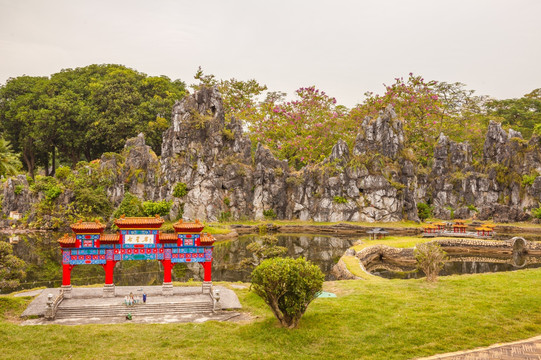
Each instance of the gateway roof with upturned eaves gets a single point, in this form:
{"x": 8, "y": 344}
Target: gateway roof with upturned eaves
{"x": 206, "y": 238}
{"x": 67, "y": 240}
{"x": 139, "y": 221}
{"x": 94, "y": 226}
{"x": 181, "y": 226}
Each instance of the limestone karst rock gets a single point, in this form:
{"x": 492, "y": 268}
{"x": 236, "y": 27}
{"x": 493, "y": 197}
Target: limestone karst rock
{"x": 376, "y": 180}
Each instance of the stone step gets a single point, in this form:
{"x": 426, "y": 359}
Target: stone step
{"x": 138, "y": 310}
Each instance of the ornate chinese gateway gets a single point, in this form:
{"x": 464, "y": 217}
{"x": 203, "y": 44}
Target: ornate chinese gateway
{"x": 138, "y": 238}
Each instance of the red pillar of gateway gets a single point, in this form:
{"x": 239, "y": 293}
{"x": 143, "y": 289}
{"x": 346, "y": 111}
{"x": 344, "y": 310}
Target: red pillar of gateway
{"x": 66, "y": 274}
{"x": 167, "y": 267}
{"x": 109, "y": 272}
{"x": 207, "y": 266}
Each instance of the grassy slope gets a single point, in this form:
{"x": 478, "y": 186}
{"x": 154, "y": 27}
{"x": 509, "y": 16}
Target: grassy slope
{"x": 394, "y": 241}
{"x": 391, "y": 319}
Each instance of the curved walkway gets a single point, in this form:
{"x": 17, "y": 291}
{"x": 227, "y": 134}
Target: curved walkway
{"x": 529, "y": 349}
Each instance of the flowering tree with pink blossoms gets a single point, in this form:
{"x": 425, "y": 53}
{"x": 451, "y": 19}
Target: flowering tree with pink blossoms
{"x": 302, "y": 131}
{"x": 427, "y": 108}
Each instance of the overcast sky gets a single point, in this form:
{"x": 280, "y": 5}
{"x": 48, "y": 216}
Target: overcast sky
{"x": 343, "y": 47}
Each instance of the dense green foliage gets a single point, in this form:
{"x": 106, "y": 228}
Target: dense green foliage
{"x": 304, "y": 130}
{"x": 536, "y": 213}
{"x": 269, "y": 214}
{"x": 180, "y": 190}
{"x": 71, "y": 196}
{"x": 130, "y": 206}
{"x": 162, "y": 208}
{"x": 287, "y": 286}
{"x": 11, "y": 267}
{"x": 84, "y": 112}
{"x": 424, "y": 211}
{"x": 522, "y": 114}
{"x": 9, "y": 162}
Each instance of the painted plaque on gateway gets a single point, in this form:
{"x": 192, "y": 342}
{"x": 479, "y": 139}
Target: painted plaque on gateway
{"x": 144, "y": 237}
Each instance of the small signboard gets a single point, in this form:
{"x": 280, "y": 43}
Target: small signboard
{"x": 133, "y": 239}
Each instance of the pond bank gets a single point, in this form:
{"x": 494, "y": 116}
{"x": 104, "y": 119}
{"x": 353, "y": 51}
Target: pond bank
{"x": 512, "y": 254}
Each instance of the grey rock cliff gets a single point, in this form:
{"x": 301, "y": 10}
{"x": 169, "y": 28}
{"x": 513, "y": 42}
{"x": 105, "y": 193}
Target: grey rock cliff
{"x": 376, "y": 180}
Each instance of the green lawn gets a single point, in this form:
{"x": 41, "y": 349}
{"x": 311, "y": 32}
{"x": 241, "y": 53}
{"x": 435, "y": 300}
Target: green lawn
{"x": 387, "y": 319}
{"x": 394, "y": 241}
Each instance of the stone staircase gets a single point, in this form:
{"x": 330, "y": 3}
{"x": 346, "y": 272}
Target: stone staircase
{"x": 149, "y": 309}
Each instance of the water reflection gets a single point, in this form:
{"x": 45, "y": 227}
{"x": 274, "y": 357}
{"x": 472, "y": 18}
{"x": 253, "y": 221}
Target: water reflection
{"x": 42, "y": 254}
{"x": 456, "y": 264}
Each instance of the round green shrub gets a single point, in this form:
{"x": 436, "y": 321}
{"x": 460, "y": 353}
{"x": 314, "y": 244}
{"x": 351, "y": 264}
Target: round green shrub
{"x": 288, "y": 286}
{"x": 62, "y": 172}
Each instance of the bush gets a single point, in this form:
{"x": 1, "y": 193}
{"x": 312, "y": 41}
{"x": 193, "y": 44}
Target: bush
{"x": 62, "y": 172}
{"x": 225, "y": 216}
{"x": 529, "y": 179}
{"x": 12, "y": 269}
{"x": 269, "y": 214}
{"x": 180, "y": 190}
{"x": 93, "y": 202}
{"x": 53, "y": 192}
{"x": 287, "y": 286}
{"x": 340, "y": 200}
{"x": 424, "y": 211}
{"x": 228, "y": 134}
{"x": 18, "y": 189}
{"x": 161, "y": 208}
{"x": 536, "y": 213}
{"x": 130, "y": 206}
{"x": 430, "y": 259}
{"x": 472, "y": 208}
{"x": 43, "y": 183}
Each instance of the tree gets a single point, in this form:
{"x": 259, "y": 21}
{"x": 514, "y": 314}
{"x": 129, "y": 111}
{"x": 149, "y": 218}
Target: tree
{"x": 9, "y": 161}
{"x": 522, "y": 114}
{"x": 21, "y": 102}
{"x": 11, "y": 268}
{"x": 84, "y": 112}
{"x": 430, "y": 259}
{"x": 287, "y": 286}
{"x": 239, "y": 97}
{"x": 424, "y": 211}
{"x": 305, "y": 130}
{"x": 428, "y": 108}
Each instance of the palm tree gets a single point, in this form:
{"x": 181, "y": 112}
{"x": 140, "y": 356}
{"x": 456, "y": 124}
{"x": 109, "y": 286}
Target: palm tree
{"x": 9, "y": 162}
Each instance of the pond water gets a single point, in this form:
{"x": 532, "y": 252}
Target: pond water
{"x": 42, "y": 254}
{"x": 451, "y": 268}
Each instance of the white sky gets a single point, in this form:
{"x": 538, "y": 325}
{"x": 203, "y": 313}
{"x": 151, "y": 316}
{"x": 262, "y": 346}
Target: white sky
{"x": 343, "y": 47}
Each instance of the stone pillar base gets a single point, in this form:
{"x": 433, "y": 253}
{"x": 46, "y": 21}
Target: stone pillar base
{"x": 67, "y": 291}
{"x": 167, "y": 289}
{"x": 109, "y": 290}
{"x": 206, "y": 287}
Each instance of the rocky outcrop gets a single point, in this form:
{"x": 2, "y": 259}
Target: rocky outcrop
{"x": 17, "y": 195}
{"x": 491, "y": 189}
{"x": 376, "y": 180}
{"x": 384, "y": 135}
